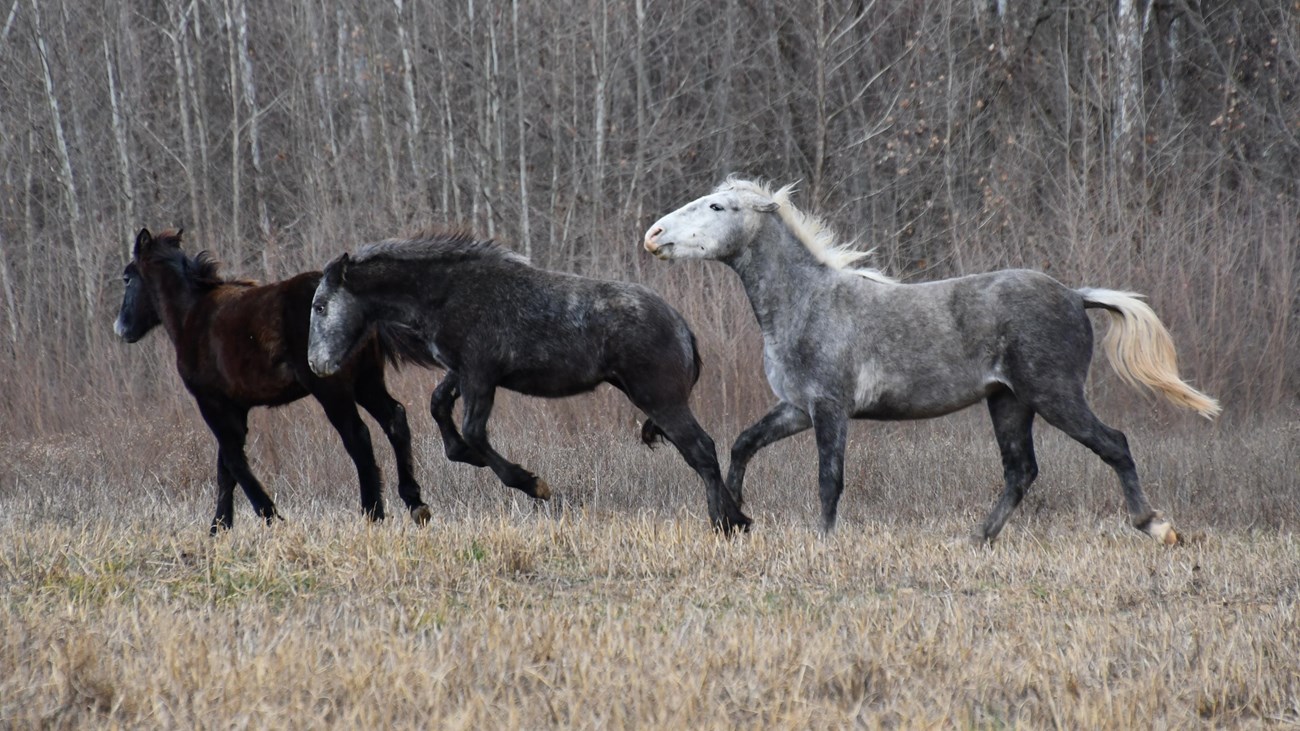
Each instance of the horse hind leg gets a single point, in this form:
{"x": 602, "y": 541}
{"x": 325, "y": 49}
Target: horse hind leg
{"x": 1073, "y": 416}
{"x": 478, "y": 407}
{"x": 1013, "y": 424}
{"x": 679, "y": 426}
{"x": 391, "y": 415}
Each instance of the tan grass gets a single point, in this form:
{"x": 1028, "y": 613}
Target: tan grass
{"x": 615, "y": 607}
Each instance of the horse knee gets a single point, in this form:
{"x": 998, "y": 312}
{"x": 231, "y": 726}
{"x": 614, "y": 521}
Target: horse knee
{"x": 397, "y": 426}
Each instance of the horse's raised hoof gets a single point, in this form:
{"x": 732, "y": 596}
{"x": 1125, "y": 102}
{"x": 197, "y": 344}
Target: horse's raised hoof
{"x": 541, "y": 490}
{"x": 421, "y": 514}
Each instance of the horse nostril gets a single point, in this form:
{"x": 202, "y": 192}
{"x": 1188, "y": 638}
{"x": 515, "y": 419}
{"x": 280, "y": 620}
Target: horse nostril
{"x": 651, "y": 235}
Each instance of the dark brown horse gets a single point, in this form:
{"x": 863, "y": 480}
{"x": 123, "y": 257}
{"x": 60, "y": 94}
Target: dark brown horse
{"x": 240, "y": 345}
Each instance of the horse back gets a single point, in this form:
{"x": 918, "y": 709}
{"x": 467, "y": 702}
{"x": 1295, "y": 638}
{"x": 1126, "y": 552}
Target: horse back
{"x": 250, "y": 342}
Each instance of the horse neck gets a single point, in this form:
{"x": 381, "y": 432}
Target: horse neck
{"x": 399, "y": 291}
{"x": 775, "y": 269}
{"x": 174, "y": 299}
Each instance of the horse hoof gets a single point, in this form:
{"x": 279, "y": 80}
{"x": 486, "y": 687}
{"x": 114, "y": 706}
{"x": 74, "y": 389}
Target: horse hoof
{"x": 541, "y": 490}
{"x": 1161, "y": 530}
{"x": 421, "y": 514}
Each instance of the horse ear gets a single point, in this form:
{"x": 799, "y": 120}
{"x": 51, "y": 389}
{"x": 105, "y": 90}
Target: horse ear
{"x": 176, "y": 240}
{"x": 336, "y": 270}
{"x": 141, "y": 239}
{"x": 766, "y": 207}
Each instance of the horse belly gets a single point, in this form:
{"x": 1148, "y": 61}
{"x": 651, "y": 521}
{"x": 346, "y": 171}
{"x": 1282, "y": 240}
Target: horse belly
{"x": 885, "y": 396}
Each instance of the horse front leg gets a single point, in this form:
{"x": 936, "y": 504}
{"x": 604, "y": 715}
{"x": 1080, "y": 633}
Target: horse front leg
{"x": 831, "y": 426}
{"x": 225, "y": 517}
{"x": 341, "y": 410}
{"x": 391, "y": 415}
{"x": 478, "y": 406}
{"x": 784, "y": 420}
{"x": 229, "y": 424}
{"x": 441, "y": 404}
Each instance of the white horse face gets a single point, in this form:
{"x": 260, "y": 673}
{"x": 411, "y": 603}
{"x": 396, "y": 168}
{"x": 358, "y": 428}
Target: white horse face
{"x": 713, "y": 227}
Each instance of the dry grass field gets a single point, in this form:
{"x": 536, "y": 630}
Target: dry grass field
{"x": 616, "y": 607}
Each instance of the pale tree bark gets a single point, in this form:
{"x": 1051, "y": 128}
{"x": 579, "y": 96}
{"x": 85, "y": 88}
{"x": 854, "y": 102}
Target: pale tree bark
{"x": 7, "y": 282}
{"x": 236, "y": 129}
{"x": 196, "y": 85}
{"x": 180, "y": 20}
{"x": 249, "y": 87}
{"x": 642, "y": 99}
{"x": 414, "y": 125}
{"x": 493, "y": 128}
{"x": 120, "y": 141}
{"x": 1128, "y": 84}
{"x": 66, "y": 178}
{"x": 450, "y": 187}
{"x": 600, "y": 105}
{"x": 525, "y": 231}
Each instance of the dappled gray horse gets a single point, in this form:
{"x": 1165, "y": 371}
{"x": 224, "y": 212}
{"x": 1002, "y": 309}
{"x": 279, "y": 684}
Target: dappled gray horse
{"x": 841, "y": 343}
{"x": 492, "y": 319}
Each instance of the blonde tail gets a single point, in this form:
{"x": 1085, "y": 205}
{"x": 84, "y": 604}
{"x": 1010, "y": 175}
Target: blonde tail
{"x": 1142, "y": 352}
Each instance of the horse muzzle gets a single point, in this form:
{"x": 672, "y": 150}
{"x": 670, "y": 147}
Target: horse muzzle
{"x": 322, "y": 367}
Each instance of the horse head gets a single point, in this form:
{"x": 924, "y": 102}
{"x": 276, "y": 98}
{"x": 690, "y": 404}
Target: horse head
{"x": 138, "y": 314}
{"x": 337, "y": 320}
{"x": 716, "y": 226}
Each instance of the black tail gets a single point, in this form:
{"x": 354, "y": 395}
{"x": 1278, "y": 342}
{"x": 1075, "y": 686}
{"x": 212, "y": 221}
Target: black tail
{"x": 651, "y": 434}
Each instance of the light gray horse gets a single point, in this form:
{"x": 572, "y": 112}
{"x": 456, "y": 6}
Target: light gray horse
{"x": 841, "y": 343}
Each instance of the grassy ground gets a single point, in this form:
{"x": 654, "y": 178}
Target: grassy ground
{"x": 616, "y": 607}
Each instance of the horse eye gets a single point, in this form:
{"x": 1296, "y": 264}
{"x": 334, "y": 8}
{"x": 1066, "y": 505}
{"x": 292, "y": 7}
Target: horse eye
{"x": 715, "y": 207}
{"x": 318, "y": 308}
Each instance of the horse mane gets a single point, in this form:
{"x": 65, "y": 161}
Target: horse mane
{"x": 202, "y": 270}
{"x": 438, "y": 246}
{"x": 810, "y": 230}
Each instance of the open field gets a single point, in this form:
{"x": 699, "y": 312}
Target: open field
{"x": 618, "y": 608}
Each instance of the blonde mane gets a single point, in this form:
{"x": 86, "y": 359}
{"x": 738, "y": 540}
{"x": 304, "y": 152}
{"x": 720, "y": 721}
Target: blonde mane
{"x": 810, "y": 230}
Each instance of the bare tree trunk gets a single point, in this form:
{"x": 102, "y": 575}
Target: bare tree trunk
{"x": 120, "y": 140}
{"x": 414, "y": 125}
{"x": 198, "y": 92}
{"x": 525, "y": 231}
{"x": 249, "y": 86}
{"x": 180, "y": 20}
{"x": 66, "y": 178}
{"x": 10, "y": 303}
{"x": 450, "y": 187}
{"x": 820, "y": 132}
{"x": 600, "y": 103}
{"x": 236, "y": 129}
{"x": 642, "y": 99}
{"x": 1128, "y": 87}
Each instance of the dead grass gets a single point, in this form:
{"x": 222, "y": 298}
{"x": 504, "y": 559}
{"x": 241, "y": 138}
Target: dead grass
{"x": 617, "y": 608}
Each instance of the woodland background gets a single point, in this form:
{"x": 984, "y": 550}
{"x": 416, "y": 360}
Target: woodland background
{"x": 1152, "y": 146}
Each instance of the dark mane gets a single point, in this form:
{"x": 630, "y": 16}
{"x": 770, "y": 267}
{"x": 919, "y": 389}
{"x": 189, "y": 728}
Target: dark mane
{"x": 440, "y": 246}
{"x": 201, "y": 270}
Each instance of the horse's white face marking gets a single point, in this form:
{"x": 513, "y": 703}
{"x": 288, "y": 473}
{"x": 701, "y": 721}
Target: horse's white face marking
{"x": 334, "y": 330}
{"x": 711, "y": 227}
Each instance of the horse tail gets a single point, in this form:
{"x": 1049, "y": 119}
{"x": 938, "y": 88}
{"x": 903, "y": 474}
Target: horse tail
{"x": 695, "y": 355}
{"x": 1141, "y": 350}
{"x": 651, "y": 434}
